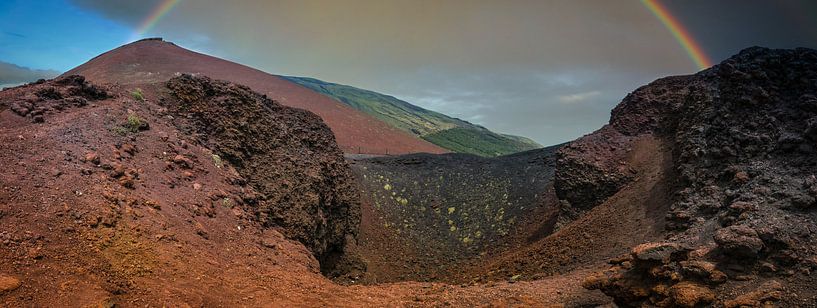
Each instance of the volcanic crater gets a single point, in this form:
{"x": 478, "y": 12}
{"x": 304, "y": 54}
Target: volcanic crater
{"x": 167, "y": 183}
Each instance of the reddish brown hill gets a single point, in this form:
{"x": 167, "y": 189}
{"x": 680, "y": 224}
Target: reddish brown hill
{"x": 153, "y": 60}
{"x": 107, "y": 200}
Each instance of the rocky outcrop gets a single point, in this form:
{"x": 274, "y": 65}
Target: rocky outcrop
{"x": 42, "y": 98}
{"x": 739, "y": 241}
{"x": 299, "y": 179}
{"x": 591, "y": 169}
{"x": 744, "y": 139}
{"x": 658, "y": 274}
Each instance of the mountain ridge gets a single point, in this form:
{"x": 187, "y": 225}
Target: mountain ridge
{"x": 152, "y": 60}
{"x": 448, "y": 132}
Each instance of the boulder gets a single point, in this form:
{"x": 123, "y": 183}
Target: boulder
{"x": 8, "y": 283}
{"x": 657, "y": 251}
{"x": 182, "y": 161}
{"x": 689, "y": 294}
{"x": 703, "y": 270}
{"x": 739, "y": 241}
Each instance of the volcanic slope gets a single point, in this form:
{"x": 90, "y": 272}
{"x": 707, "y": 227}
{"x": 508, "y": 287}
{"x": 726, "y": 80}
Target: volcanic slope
{"x": 461, "y": 218}
{"x": 206, "y": 195}
{"x": 441, "y": 211}
{"x": 701, "y": 191}
{"x": 151, "y": 61}
{"x": 741, "y": 224}
{"x": 450, "y": 133}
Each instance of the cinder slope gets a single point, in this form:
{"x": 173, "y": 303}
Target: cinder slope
{"x": 741, "y": 221}
{"x": 153, "y": 60}
{"x": 700, "y": 192}
{"x": 443, "y": 211}
{"x": 466, "y": 219}
{"x": 107, "y": 200}
{"x": 105, "y": 195}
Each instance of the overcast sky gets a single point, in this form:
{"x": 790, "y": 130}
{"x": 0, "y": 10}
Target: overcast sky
{"x": 549, "y": 70}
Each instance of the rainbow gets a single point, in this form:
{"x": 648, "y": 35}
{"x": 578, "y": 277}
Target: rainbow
{"x": 158, "y": 12}
{"x": 693, "y": 49}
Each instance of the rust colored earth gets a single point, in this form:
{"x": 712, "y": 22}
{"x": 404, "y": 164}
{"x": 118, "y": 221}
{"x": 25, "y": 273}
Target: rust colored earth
{"x": 141, "y": 185}
{"x": 151, "y": 61}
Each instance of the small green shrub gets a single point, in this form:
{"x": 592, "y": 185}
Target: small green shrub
{"x": 134, "y": 123}
{"x": 217, "y": 161}
{"x": 137, "y": 95}
{"x": 120, "y": 130}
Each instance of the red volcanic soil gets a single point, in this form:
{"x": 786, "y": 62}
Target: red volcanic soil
{"x": 97, "y": 209}
{"x": 701, "y": 191}
{"x": 153, "y": 60}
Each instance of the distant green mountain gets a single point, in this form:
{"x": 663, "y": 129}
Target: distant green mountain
{"x": 447, "y": 132}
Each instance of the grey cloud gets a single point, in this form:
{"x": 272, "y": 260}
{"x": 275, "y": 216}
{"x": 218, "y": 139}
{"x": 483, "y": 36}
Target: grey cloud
{"x": 528, "y": 103}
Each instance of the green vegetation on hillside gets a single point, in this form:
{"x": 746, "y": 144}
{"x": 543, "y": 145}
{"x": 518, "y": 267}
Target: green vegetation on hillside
{"x": 479, "y": 142}
{"x": 529, "y": 142}
{"x": 447, "y": 132}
